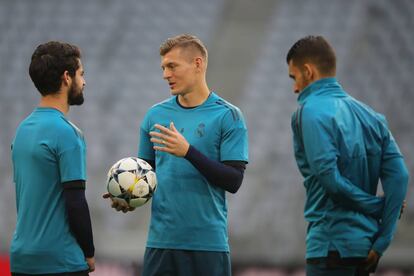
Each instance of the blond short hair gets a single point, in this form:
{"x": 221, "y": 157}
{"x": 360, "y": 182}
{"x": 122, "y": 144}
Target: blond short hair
{"x": 184, "y": 41}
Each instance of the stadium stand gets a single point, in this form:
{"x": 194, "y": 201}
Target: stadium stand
{"x": 120, "y": 40}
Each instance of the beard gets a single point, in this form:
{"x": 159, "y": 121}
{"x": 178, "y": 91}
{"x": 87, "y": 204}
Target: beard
{"x": 75, "y": 95}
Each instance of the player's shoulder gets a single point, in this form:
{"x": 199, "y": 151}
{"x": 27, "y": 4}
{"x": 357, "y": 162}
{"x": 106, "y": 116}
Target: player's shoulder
{"x": 324, "y": 112}
{"x": 227, "y": 108}
{"x": 165, "y": 103}
{"x": 160, "y": 106}
{"x": 367, "y": 108}
{"x": 67, "y": 128}
{"x": 321, "y": 109}
{"x": 371, "y": 116}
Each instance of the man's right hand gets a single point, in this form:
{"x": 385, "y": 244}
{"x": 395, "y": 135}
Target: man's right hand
{"x": 91, "y": 263}
{"x": 371, "y": 261}
{"x": 118, "y": 204}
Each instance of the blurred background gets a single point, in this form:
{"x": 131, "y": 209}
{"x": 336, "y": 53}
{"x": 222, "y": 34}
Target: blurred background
{"x": 247, "y": 42}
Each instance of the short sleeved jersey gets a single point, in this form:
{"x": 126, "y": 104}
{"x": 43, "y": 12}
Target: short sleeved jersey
{"x": 187, "y": 211}
{"x": 47, "y": 151}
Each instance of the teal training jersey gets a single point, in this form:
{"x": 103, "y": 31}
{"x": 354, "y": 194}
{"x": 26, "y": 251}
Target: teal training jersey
{"x": 343, "y": 149}
{"x": 47, "y": 151}
{"x": 187, "y": 211}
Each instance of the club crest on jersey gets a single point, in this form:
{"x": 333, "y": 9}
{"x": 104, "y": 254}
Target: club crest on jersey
{"x": 200, "y": 131}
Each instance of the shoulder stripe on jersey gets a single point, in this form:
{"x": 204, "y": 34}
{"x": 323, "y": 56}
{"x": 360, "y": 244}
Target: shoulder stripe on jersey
{"x": 233, "y": 111}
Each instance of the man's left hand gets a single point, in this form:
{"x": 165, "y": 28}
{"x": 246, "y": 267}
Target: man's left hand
{"x": 171, "y": 139}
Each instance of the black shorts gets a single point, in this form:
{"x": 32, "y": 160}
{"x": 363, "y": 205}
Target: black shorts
{"x": 333, "y": 261}
{"x": 185, "y": 263}
{"x": 78, "y": 273}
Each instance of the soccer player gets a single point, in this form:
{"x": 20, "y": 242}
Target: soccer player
{"x": 342, "y": 148}
{"x": 198, "y": 144}
{"x": 53, "y": 234}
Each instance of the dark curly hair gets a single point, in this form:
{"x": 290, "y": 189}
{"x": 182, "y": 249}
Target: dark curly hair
{"x": 49, "y": 61}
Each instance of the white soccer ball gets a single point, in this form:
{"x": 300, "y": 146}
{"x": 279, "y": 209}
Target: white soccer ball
{"x": 131, "y": 181}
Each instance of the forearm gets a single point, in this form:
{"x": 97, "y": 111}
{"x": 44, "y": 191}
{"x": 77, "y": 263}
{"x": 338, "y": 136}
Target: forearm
{"x": 227, "y": 177}
{"x": 394, "y": 182}
{"x": 79, "y": 218}
{"x": 350, "y": 196}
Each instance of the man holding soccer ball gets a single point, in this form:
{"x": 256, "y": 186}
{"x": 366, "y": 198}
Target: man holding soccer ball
{"x": 198, "y": 144}
{"x": 342, "y": 148}
{"x": 53, "y": 234}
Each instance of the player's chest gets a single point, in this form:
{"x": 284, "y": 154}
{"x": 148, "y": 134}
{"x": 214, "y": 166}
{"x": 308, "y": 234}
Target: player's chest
{"x": 198, "y": 130}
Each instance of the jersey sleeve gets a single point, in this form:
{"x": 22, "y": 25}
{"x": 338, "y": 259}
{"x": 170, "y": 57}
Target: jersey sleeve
{"x": 145, "y": 146}
{"x": 71, "y": 154}
{"x": 234, "y": 140}
{"x": 394, "y": 179}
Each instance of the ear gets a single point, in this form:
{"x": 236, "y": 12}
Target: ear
{"x": 66, "y": 78}
{"x": 198, "y": 61}
{"x": 310, "y": 71}
{"x": 307, "y": 71}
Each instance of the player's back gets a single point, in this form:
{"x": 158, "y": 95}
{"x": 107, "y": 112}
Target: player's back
{"x": 357, "y": 131}
{"x": 338, "y": 131}
{"x": 42, "y": 241}
{"x": 361, "y": 135}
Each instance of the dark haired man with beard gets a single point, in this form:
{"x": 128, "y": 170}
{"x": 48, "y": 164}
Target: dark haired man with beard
{"x": 53, "y": 234}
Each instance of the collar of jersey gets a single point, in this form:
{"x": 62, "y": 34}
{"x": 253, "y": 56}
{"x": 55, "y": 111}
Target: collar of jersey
{"x": 210, "y": 96}
{"x": 48, "y": 109}
{"x": 318, "y": 88}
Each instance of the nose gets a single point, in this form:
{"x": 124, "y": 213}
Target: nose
{"x": 295, "y": 88}
{"x": 166, "y": 74}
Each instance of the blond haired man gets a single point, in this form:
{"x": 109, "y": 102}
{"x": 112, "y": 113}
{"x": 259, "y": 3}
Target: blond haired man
{"x": 198, "y": 144}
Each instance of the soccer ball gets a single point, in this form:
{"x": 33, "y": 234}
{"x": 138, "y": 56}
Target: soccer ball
{"x": 131, "y": 181}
